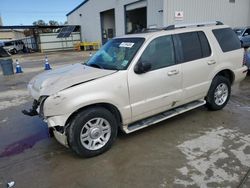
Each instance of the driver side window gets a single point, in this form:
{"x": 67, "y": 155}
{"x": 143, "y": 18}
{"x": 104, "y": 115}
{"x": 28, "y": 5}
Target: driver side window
{"x": 159, "y": 53}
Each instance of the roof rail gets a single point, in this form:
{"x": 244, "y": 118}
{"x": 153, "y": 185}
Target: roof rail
{"x": 179, "y": 26}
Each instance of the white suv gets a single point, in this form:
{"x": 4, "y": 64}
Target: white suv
{"x": 138, "y": 80}
{"x": 13, "y": 46}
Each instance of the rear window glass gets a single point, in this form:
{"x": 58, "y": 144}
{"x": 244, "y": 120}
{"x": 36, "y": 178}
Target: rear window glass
{"x": 190, "y": 45}
{"x": 227, "y": 39}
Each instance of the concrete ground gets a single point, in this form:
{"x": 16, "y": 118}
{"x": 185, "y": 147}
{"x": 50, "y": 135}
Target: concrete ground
{"x": 197, "y": 149}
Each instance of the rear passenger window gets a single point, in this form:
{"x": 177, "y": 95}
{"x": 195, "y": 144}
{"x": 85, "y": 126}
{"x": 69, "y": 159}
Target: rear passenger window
{"x": 205, "y": 47}
{"x": 227, "y": 39}
{"x": 189, "y": 47}
{"x": 160, "y": 53}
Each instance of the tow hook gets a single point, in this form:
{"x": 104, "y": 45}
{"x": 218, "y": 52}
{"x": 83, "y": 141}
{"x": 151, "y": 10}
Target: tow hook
{"x": 32, "y": 111}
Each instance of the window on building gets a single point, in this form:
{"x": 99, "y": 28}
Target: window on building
{"x": 227, "y": 39}
{"x": 160, "y": 53}
{"x": 231, "y": 1}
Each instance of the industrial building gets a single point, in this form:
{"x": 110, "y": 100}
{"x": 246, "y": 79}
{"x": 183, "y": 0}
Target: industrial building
{"x": 43, "y": 38}
{"x": 101, "y": 20}
{"x": 11, "y": 34}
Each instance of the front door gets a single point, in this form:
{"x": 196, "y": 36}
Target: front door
{"x": 161, "y": 87}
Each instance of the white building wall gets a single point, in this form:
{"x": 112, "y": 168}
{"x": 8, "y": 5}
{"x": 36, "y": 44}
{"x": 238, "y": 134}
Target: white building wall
{"x": 160, "y": 13}
{"x": 155, "y": 13}
{"x": 50, "y": 42}
{"x": 90, "y": 20}
{"x": 233, "y": 14}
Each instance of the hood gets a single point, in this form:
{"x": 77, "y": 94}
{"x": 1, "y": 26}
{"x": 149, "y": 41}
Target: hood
{"x": 52, "y": 81}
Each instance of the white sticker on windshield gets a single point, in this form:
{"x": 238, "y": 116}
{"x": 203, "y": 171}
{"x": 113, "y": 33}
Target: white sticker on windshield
{"x": 126, "y": 44}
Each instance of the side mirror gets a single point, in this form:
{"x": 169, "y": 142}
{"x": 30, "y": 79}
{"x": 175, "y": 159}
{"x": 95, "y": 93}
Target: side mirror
{"x": 142, "y": 67}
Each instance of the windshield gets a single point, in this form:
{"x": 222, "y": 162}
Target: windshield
{"x": 116, "y": 54}
{"x": 239, "y": 31}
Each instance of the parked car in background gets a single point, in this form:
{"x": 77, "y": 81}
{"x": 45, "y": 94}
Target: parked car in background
{"x": 13, "y": 46}
{"x": 243, "y": 34}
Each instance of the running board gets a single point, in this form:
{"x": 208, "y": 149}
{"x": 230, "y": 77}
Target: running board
{"x": 163, "y": 116}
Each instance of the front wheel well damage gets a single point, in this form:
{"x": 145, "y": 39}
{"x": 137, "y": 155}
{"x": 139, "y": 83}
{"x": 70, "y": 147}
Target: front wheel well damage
{"x": 113, "y": 109}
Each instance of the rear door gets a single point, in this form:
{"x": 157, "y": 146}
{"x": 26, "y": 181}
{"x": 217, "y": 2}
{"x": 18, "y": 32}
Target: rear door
{"x": 197, "y": 60}
{"x": 161, "y": 87}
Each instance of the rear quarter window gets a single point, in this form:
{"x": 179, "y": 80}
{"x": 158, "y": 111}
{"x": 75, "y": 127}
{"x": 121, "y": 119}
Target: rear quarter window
{"x": 227, "y": 39}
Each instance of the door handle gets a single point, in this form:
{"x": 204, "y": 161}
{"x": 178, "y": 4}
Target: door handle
{"x": 173, "y": 72}
{"x": 211, "y": 62}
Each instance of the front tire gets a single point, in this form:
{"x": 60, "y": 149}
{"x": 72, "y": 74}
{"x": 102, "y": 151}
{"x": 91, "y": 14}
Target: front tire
{"x": 219, "y": 93}
{"x": 92, "y": 132}
{"x": 14, "y": 51}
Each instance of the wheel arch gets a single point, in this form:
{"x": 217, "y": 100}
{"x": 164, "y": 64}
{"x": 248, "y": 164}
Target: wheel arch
{"x": 112, "y": 108}
{"x": 227, "y": 73}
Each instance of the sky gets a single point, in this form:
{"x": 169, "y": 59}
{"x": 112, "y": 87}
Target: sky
{"x": 25, "y": 12}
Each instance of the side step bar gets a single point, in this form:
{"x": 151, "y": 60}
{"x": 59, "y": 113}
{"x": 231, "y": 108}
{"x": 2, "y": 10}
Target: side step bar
{"x": 163, "y": 116}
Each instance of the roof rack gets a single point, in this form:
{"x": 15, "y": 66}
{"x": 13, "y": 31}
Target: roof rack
{"x": 179, "y": 26}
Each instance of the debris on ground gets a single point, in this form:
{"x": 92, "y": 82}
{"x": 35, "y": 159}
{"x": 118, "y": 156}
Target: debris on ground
{"x": 10, "y": 184}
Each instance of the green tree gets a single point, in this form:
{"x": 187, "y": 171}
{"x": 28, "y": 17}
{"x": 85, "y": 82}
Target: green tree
{"x": 53, "y": 23}
{"x": 39, "y": 22}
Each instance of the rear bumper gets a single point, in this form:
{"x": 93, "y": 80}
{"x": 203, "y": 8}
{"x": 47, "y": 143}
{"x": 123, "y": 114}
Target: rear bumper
{"x": 240, "y": 74}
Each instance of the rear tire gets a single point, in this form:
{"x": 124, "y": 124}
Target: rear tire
{"x": 92, "y": 132}
{"x": 219, "y": 93}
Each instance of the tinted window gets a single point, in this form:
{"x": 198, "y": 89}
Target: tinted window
{"x": 8, "y": 44}
{"x": 160, "y": 53}
{"x": 190, "y": 47}
{"x": 227, "y": 39}
{"x": 205, "y": 47}
{"x": 238, "y": 31}
{"x": 248, "y": 31}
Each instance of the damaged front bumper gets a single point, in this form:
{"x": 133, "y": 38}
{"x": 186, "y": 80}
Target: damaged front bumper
{"x": 32, "y": 111}
{"x": 56, "y": 124}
